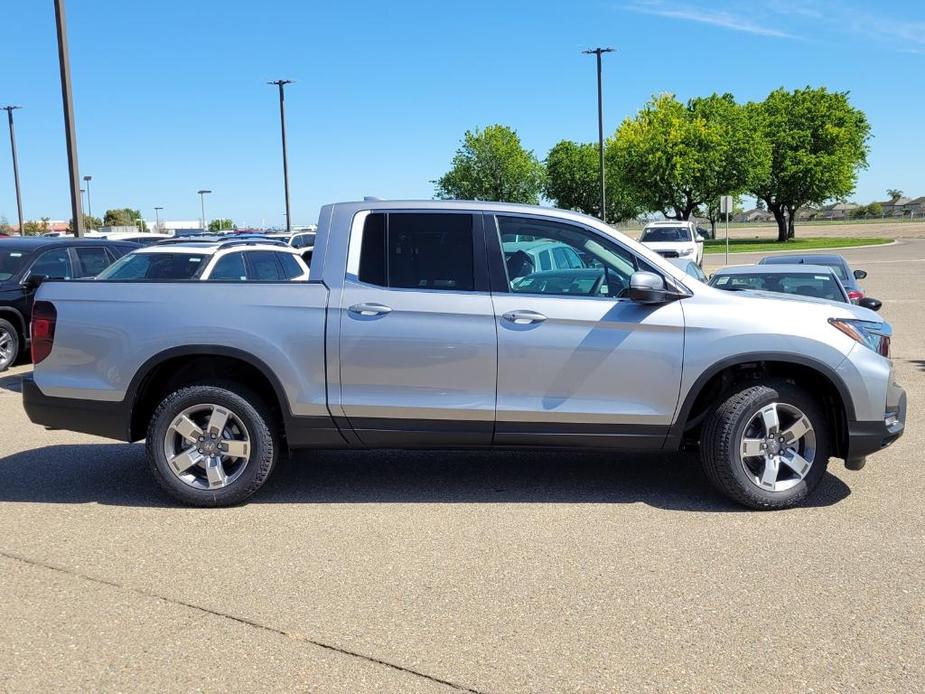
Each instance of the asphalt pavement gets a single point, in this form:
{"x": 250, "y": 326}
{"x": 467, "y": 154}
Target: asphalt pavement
{"x": 486, "y": 572}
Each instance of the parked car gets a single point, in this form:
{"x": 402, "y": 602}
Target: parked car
{"x": 690, "y": 267}
{"x": 25, "y": 261}
{"x": 674, "y": 239}
{"x": 232, "y": 259}
{"x": 142, "y": 238}
{"x": 412, "y": 333}
{"x": 848, "y": 277}
{"x": 804, "y": 281}
{"x": 301, "y": 240}
{"x": 527, "y": 257}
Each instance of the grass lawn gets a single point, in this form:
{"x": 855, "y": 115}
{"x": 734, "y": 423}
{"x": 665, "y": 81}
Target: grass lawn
{"x": 807, "y": 243}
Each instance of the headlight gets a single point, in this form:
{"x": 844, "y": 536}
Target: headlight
{"x": 871, "y": 334}
{"x": 685, "y": 251}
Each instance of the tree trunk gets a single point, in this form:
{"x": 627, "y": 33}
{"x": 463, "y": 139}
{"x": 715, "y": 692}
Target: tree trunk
{"x": 781, "y": 218}
{"x": 713, "y": 227}
{"x": 791, "y": 215}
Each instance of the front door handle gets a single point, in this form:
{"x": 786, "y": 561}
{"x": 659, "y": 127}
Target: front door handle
{"x": 523, "y": 317}
{"x": 370, "y": 309}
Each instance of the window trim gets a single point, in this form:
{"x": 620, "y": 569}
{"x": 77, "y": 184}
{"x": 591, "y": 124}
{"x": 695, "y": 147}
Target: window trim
{"x": 480, "y": 270}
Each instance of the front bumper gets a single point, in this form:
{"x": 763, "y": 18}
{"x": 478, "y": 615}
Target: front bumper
{"x": 867, "y": 437}
{"x": 110, "y": 420}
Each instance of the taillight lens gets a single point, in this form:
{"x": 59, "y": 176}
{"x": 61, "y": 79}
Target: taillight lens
{"x": 854, "y": 295}
{"x": 44, "y": 317}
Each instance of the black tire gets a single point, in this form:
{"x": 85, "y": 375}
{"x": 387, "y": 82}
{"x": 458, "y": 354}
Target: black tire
{"x": 252, "y": 412}
{"x": 721, "y": 439}
{"x": 8, "y": 332}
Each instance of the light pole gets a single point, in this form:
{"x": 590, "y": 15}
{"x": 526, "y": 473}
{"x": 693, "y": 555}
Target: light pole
{"x": 202, "y": 201}
{"x": 157, "y": 217}
{"x": 87, "y": 180}
{"x": 70, "y": 130}
{"x": 282, "y": 124}
{"x": 9, "y": 113}
{"x": 600, "y": 124}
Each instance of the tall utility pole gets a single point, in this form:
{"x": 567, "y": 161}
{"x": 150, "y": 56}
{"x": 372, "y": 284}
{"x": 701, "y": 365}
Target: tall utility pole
{"x": 202, "y": 201}
{"x": 157, "y": 217}
{"x": 87, "y": 180}
{"x": 282, "y": 124}
{"x": 600, "y": 124}
{"x": 70, "y": 130}
{"x": 9, "y": 112}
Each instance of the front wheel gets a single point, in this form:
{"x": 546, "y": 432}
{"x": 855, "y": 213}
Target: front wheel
{"x": 209, "y": 446}
{"x": 9, "y": 344}
{"x": 766, "y": 446}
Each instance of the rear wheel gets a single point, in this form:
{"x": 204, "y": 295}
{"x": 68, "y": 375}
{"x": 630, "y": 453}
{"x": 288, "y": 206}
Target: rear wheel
{"x": 210, "y": 446}
{"x": 766, "y": 446}
{"x": 9, "y": 344}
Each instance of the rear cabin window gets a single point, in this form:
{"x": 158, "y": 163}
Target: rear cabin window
{"x": 418, "y": 251}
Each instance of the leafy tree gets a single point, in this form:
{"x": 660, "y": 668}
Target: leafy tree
{"x": 875, "y": 209}
{"x": 43, "y": 226}
{"x": 221, "y": 225}
{"x": 491, "y": 164}
{"x": 5, "y": 227}
{"x": 122, "y": 217}
{"x": 92, "y": 222}
{"x": 673, "y": 157}
{"x": 818, "y": 142}
{"x": 32, "y": 228}
{"x": 573, "y": 183}
{"x": 894, "y": 193}
{"x": 710, "y": 211}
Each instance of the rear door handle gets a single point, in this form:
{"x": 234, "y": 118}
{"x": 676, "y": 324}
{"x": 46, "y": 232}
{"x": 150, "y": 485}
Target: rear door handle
{"x": 523, "y": 317}
{"x": 370, "y": 309}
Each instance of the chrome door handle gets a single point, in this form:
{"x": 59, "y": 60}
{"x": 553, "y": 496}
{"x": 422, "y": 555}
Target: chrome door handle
{"x": 370, "y": 309}
{"x": 523, "y": 317}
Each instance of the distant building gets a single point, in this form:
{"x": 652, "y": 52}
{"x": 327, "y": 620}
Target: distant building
{"x": 754, "y": 215}
{"x": 894, "y": 207}
{"x": 914, "y": 208}
{"x": 837, "y": 210}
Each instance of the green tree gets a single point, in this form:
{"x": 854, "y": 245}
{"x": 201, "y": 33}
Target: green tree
{"x": 5, "y": 227}
{"x": 32, "y": 228}
{"x": 121, "y": 217}
{"x": 491, "y": 164}
{"x": 710, "y": 211}
{"x": 894, "y": 193}
{"x": 221, "y": 225}
{"x": 573, "y": 182}
{"x": 673, "y": 157}
{"x": 818, "y": 143}
{"x": 43, "y": 225}
{"x": 91, "y": 222}
{"x": 875, "y": 209}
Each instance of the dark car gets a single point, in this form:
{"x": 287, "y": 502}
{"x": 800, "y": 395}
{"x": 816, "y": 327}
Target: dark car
{"x": 848, "y": 277}
{"x": 26, "y": 261}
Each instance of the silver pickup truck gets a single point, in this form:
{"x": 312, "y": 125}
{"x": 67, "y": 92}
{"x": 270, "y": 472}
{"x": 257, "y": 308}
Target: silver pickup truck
{"x": 465, "y": 325}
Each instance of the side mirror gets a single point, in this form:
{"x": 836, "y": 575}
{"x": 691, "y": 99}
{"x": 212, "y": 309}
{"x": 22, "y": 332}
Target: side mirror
{"x": 33, "y": 282}
{"x": 860, "y": 274}
{"x": 648, "y": 288}
{"x": 871, "y": 303}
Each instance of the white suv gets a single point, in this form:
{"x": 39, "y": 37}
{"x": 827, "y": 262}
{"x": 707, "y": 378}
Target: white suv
{"x": 674, "y": 239}
{"x": 253, "y": 260}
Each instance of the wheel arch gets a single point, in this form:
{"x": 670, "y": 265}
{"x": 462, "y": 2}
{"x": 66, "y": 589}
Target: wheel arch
{"x": 190, "y": 364}
{"x": 744, "y": 368}
{"x": 18, "y": 321}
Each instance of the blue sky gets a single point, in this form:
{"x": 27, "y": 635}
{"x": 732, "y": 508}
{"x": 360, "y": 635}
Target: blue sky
{"x": 171, "y": 97}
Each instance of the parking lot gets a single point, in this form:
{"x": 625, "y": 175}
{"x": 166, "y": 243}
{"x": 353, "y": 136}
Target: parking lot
{"x": 486, "y": 572}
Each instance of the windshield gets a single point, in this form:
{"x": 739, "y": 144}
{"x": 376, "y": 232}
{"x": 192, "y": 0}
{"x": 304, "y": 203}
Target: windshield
{"x": 155, "y": 266}
{"x": 666, "y": 234}
{"x": 11, "y": 262}
{"x": 820, "y": 286}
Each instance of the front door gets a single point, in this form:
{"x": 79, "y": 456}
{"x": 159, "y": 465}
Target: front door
{"x": 578, "y": 363}
{"x": 418, "y": 347}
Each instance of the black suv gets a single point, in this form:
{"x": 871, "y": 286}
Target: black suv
{"x": 26, "y": 261}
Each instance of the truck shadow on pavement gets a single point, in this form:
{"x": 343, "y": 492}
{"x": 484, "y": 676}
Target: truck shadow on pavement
{"x": 116, "y": 474}
{"x": 11, "y": 383}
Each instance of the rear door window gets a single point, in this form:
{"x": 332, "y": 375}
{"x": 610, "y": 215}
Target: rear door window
{"x": 229, "y": 267}
{"x": 93, "y": 260}
{"x": 262, "y": 266}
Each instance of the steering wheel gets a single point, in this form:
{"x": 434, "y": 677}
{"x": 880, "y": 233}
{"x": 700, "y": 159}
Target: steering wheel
{"x": 615, "y": 284}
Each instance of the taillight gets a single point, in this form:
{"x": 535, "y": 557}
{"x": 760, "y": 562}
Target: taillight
{"x": 44, "y": 317}
{"x": 854, "y": 295}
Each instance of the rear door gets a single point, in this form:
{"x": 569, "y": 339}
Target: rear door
{"x": 578, "y": 362}
{"x": 418, "y": 346}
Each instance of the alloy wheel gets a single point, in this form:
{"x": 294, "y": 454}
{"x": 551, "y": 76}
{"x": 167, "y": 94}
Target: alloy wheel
{"x": 207, "y": 446}
{"x": 778, "y": 447}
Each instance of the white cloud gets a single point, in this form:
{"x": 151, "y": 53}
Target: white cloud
{"x": 721, "y": 18}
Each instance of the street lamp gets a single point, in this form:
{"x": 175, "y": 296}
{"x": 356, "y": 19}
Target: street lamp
{"x": 70, "y": 130}
{"x": 157, "y": 217}
{"x": 202, "y": 201}
{"x": 600, "y": 124}
{"x": 87, "y": 180}
{"x": 9, "y": 112}
{"x": 282, "y": 124}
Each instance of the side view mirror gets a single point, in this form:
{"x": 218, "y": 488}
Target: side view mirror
{"x": 648, "y": 288}
{"x": 860, "y": 274}
{"x": 33, "y": 282}
{"x": 871, "y": 303}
